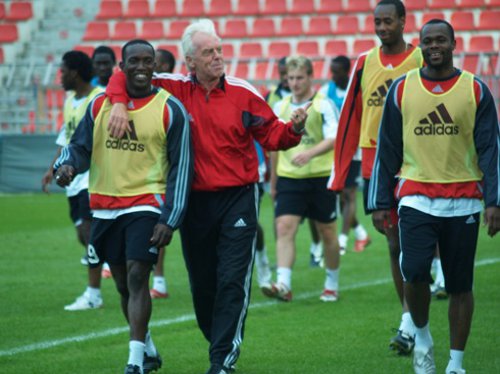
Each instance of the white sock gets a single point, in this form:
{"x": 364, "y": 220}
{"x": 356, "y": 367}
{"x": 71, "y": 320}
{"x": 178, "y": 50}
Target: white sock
{"x": 150, "y": 347}
{"x": 439, "y": 273}
{"x": 316, "y": 250}
{"x": 160, "y": 284}
{"x": 423, "y": 338}
{"x": 285, "y": 277}
{"x": 343, "y": 238}
{"x": 360, "y": 232}
{"x": 105, "y": 266}
{"x": 456, "y": 358}
{"x": 407, "y": 325}
{"x": 136, "y": 353}
{"x": 332, "y": 279}
{"x": 261, "y": 257}
{"x": 94, "y": 293}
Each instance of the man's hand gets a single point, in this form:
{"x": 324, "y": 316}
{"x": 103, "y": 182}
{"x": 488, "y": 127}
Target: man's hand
{"x": 162, "y": 235}
{"x": 382, "y": 220}
{"x": 299, "y": 117}
{"x": 46, "y": 181}
{"x": 64, "y": 175}
{"x": 118, "y": 121}
{"x": 302, "y": 158}
{"x": 492, "y": 220}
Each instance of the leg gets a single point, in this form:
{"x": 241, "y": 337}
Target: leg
{"x": 120, "y": 277}
{"x": 315, "y": 249}
{"x": 159, "y": 289}
{"x": 286, "y": 229}
{"x": 328, "y": 232}
{"x": 460, "y": 312}
{"x": 392, "y": 236}
{"x": 139, "y": 301}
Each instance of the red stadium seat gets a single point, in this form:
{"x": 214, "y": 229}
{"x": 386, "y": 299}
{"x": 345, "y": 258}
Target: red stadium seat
{"x": 362, "y": 45}
{"x": 489, "y": 20}
{"x": 336, "y": 48}
{"x": 219, "y": 8}
{"x": 228, "y": 50}
{"x": 357, "y": 6}
{"x": 279, "y": 49}
{"x": 302, "y": 7}
{"x": 96, "y": 31}
{"x": 481, "y": 43}
{"x": 459, "y": 47}
{"x": 173, "y": 48}
{"x": 124, "y": 30}
{"x": 492, "y": 67}
{"x": 427, "y": 16}
{"x": 411, "y": 23}
{"x": 247, "y": 8}
{"x": 8, "y": 33}
{"x": 462, "y": 21}
{"x": 109, "y": 10}
{"x": 263, "y": 27}
{"x": 291, "y": 27}
{"x": 20, "y": 11}
{"x": 442, "y": 4}
{"x": 261, "y": 70}
{"x": 418, "y": 5}
{"x": 242, "y": 70}
{"x": 471, "y": 63}
{"x": 193, "y": 8}
{"x": 318, "y": 69}
{"x": 329, "y": 6}
{"x": 277, "y": 7}
{"x": 164, "y": 9}
{"x": 236, "y": 28}
{"x": 87, "y": 49}
{"x": 320, "y": 26}
{"x": 137, "y": 9}
{"x": 2, "y": 10}
{"x": 251, "y": 50}
{"x": 494, "y": 4}
{"x": 347, "y": 25}
{"x": 471, "y": 3}
{"x": 369, "y": 25}
{"x": 152, "y": 30}
{"x": 308, "y": 48}
{"x": 177, "y": 28}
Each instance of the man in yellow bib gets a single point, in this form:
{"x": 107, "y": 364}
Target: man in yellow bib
{"x": 302, "y": 173}
{"x": 440, "y": 131}
{"x": 138, "y": 188}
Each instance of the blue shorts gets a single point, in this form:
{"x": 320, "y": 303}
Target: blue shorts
{"x": 457, "y": 239}
{"x": 127, "y": 237}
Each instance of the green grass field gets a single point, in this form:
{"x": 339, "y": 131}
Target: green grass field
{"x": 40, "y": 272}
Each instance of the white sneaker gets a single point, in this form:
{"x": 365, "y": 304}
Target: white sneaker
{"x": 423, "y": 361}
{"x": 263, "y": 274}
{"x": 329, "y": 295}
{"x": 84, "y": 302}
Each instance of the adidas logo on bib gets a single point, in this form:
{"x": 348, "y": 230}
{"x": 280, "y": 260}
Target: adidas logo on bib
{"x": 470, "y": 220}
{"x": 240, "y": 223}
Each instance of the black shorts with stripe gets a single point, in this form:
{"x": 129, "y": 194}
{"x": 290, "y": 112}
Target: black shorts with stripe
{"x": 79, "y": 207}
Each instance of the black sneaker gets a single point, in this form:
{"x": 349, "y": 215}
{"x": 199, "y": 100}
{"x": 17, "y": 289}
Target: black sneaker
{"x": 132, "y": 369}
{"x": 151, "y": 364}
{"x": 402, "y": 343}
{"x": 314, "y": 262}
{"x": 219, "y": 369}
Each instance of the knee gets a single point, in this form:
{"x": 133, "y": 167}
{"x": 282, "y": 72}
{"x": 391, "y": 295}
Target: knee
{"x": 284, "y": 229}
{"x": 137, "y": 276}
{"x": 121, "y": 287}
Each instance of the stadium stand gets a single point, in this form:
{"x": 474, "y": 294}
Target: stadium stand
{"x": 34, "y": 34}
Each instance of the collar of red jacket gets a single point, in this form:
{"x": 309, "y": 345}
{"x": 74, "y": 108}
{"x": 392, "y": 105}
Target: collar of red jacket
{"x": 221, "y": 84}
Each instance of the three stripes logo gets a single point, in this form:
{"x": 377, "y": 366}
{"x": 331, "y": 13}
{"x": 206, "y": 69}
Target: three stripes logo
{"x": 377, "y": 97}
{"x": 437, "y": 122}
{"x": 128, "y": 142}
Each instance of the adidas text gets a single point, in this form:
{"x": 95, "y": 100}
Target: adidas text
{"x": 436, "y": 130}
{"x": 379, "y": 101}
{"x": 125, "y": 145}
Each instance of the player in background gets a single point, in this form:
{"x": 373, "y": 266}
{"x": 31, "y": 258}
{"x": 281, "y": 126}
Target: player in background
{"x": 371, "y": 78}
{"x": 336, "y": 90}
{"x": 104, "y": 61}
{"x": 76, "y": 74}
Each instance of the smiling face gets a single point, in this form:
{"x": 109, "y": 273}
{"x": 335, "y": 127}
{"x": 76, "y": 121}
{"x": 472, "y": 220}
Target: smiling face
{"x": 388, "y": 25}
{"x": 138, "y": 67}
{"x": 206, "y": 59}
{"x": 437, "y": 46}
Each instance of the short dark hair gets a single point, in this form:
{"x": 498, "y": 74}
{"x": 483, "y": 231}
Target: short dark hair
{"x": 135, "y": 42}
{"x": 400, "y": 8}
{"x": 282, "y": 61}
{"x": 437, "y": 21}
{"x": 103, "y": 49}
{"x": 342, "y": 60}
{"x": 166, "y": 57}
{"x": 79, "y": 61}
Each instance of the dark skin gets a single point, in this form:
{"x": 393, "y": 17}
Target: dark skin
{"x": 389, "y": 28}
{"x": 103, "y": 67}
{"x": 339, "y": 75}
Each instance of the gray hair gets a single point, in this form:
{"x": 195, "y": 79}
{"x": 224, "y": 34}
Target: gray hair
{"x": 202, "y": 25}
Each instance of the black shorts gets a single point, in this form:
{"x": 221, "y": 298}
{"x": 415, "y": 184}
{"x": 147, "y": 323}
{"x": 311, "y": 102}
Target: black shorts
{"x": 353, "y": 175}
{"x": 308, "y": 197}
{"x": 457, "y": 239}
{"x": 125, "y": 238}
{"x": 79, "y": 207}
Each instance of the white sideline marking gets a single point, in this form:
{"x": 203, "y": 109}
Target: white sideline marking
{"x": 191, "y": 317}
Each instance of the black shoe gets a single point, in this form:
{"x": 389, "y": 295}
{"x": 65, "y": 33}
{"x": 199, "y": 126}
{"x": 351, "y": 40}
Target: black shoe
{"x": 219, "y": 369}
{"x": 132, "y": 369}
{"x": 151, "y": 364}
{"x": 402, "y": 343}
{"x": 314, "y": 262}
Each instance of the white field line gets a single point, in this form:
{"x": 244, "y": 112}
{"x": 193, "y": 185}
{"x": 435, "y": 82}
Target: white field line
{"x": 190, "y": 317}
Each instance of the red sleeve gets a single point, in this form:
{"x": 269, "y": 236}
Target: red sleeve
{"x": 96, "y": 107}
{"x": 347, "y": 141}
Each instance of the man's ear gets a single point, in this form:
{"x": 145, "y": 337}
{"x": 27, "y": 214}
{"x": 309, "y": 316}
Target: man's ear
{"x": 121, "y": 65}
